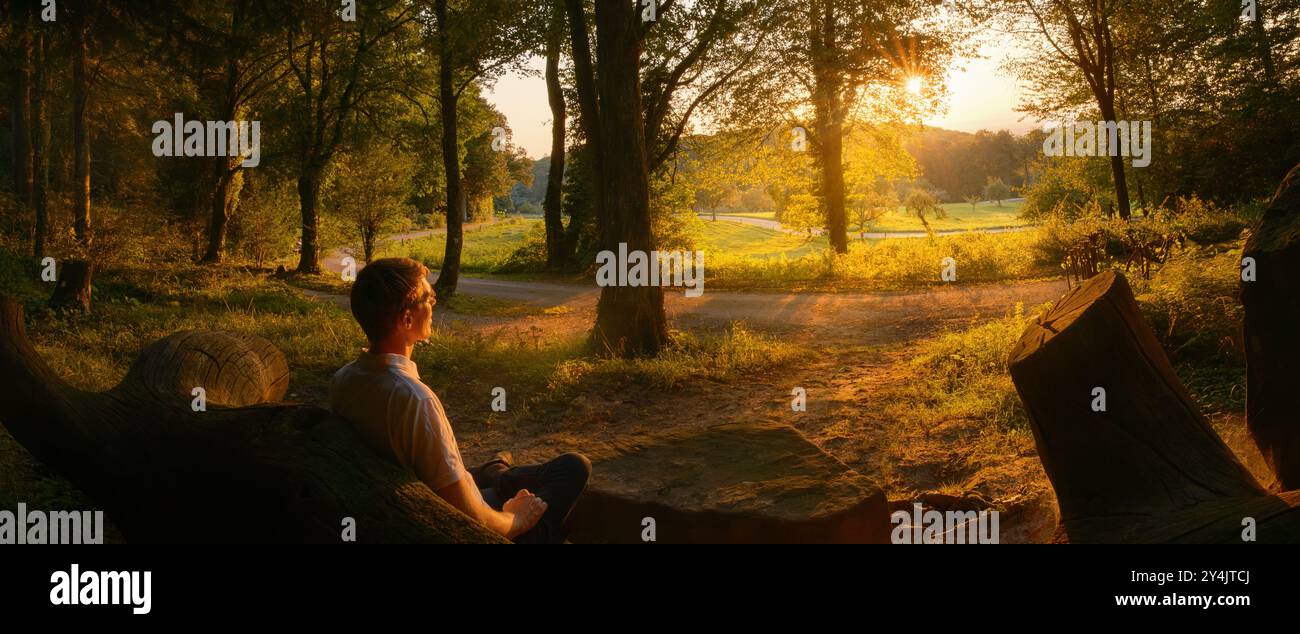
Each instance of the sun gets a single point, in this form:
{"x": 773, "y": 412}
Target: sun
{"x": 914, "y": 85}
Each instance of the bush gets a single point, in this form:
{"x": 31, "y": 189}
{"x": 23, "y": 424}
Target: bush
{"x": 529, "y": 256}
{"x": 1069, "y": 188}
{"x": 1192, "y": 304}
{"x": 1087, "y": 244}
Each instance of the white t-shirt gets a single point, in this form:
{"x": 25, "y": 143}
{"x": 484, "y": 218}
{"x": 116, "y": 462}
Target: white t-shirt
{"x": 382, "y": 396}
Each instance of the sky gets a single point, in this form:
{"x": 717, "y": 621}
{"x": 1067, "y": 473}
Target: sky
{"x": 981, "y": 96}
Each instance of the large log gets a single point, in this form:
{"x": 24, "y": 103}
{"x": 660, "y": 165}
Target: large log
{"x": 733, "y": 483}
{"x": 1272, "y": 302}
{"x": 1149, "y": 467}
{"x": 261, "y": 473}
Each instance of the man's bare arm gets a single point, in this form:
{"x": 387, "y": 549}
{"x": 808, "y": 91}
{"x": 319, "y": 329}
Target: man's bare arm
{"x": 519, "y": 514}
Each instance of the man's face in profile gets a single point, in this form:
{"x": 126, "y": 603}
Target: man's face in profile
{"x": 421, "y": 314}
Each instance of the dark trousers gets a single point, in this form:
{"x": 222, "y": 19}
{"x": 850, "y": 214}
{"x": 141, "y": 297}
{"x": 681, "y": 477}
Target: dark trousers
{"x": 558, "y": 482}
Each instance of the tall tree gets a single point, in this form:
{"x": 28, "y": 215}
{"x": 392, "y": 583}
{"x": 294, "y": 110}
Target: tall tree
{"x": 837, "y": 63}
{"x": 1079, "y": 33}
{"x": 232, "y": 53}
{"x": 850, "y": 45}
{"x": 629, "y": 319}
{"x": 475, "y": 40}
{"x": 40, "y": 134}
{"x": 82, "y": 20}
{"x": 691, "y": 54}
{"x": 20, "y": 114}
{"x": 336, "y": 65}
{"x": 556, "y": 256}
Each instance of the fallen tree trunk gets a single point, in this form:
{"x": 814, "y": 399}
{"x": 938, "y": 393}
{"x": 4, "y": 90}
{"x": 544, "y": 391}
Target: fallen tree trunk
{"x": 1148, "y": 467}
{"x": 1271, "y": 297}
{"x": 167, "y": 473}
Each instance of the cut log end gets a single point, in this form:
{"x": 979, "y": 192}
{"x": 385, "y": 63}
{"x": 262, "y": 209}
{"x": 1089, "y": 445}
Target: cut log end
{"x": 232, "y": 369}
{"x": 1117, "y": 432}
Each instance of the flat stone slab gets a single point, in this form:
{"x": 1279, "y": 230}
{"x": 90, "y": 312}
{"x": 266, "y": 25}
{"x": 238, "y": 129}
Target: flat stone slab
{"x": 732, "y": 483}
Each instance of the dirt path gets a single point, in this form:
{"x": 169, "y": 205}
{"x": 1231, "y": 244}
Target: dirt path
{"x": 860, "y": 317}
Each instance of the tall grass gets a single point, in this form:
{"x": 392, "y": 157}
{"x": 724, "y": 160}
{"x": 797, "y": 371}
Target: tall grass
{"x": 887, "y": 264}
{"x": 723, "y": 356}
{"x": 485, "y": 248}
{"x": 963, "y": 374}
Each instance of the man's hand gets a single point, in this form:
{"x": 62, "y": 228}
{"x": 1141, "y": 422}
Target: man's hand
{"x": 525, "y": 510}
{"x": 516, "y": 516}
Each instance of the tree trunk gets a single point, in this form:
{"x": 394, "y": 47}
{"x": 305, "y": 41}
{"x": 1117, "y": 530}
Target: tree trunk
{"x": 80, "y": 137}
{"x": 831, "y": 134}
{"x": 449, "y": 273}
{"x": 584, "y": 79}
{"x": 630, "y": 320}
{"x": 368, "y": 244}
{"x": 73, "y": 288}
{"x": 308, "y": 200}
{"x": 830, "y": 125}
{"x": 1262, "y": 46}
{"x": 556, "y": 257}
{"x": 256, "y": 473}
{"x": 1272, "y": 345}
{"x": 1148, "y": 467}
{"x": 40, "y": 159}
{"x": 1117, "y": 165}
{"x": 580, "y": 206}
{"x": 20, "y": 122}
{"x": 225, "y": 199}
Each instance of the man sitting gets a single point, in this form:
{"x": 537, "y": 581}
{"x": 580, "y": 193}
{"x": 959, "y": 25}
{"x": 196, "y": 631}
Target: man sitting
{"x": 382, "y": 396}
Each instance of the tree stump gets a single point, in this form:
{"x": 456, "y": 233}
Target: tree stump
{"x": 1149, "y": 467}
{"x": 72, "y": 291}
{"x": 1272, "y": 302}
{"x": 261, "y": 473}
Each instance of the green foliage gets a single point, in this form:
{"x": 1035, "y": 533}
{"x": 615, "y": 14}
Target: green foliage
{"x": 803, "y": 213}
{"x": 1086, "y": 244}
{"x": 530, "y": 256}
{"x": 1068, "y": 188}
{"x": 673, "y": 222}
{"x": 923, "y": 204}
{"x": 368, "y": 190}
{"x": 997, "y": 191}
{"x": 266, "y": 227}
{"x": 962, "y": 163}
{"x": 1192, "y": 304}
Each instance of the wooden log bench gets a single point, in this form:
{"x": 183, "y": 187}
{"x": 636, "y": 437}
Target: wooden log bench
{"x": 245, "y": 470}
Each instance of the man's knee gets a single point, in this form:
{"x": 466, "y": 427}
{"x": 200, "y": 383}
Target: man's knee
{"x": 574, "y": 465}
